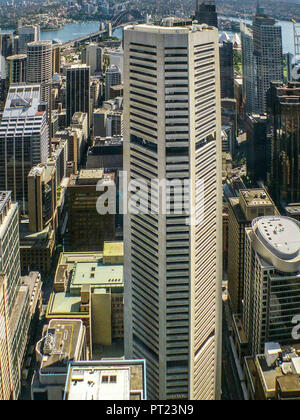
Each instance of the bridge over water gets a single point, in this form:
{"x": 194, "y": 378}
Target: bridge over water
{"x": 122, "y": 19}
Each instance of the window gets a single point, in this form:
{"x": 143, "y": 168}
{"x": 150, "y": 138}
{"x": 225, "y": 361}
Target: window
{"x": 113, "y": 379}
{"x": 104, "y": 379}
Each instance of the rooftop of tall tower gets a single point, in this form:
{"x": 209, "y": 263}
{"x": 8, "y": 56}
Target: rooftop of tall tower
{"x": 169, "y": 26}
{"x": 5, "y": 200}
{"x": 276, "y": 239}
{"x": 17, "y": 57}
{"x": 22, "y": 101}
{"x": 39, "y": 44}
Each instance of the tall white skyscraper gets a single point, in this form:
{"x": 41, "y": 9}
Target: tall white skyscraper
{"x": 249, "y": 83}
{"x": 268, "y": 56}
{"x": 9, "y": 247}
{"x": 172, "y": 268}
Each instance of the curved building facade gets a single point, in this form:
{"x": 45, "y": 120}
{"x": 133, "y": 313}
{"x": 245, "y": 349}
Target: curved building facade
{"x": 272, "y": 281}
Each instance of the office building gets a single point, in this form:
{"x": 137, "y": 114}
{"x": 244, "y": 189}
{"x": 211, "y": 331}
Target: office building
{"x": 75, "y": 143}
{"x": 172, "y": 129}
{"x": 17, "y": 68}
{"x": 36, "y": 248}
{"x": 39, "y": 67}
{"x": 56, "y": 50}
{"x": 275, "y": 374}
{"x": 63, "y": 341}
{"x": 6, "y": 44}
{"x": 106, "y": 152}
{"x": 17, "y": 301}
{"x": 283, "y": 113}
{"x": 242, "y": 210}
{"x": 6, "y": 386}
{"x": 226, "y": 69}
{"x": 116, "y": 57}
{"x": 90, "y": 286}
{"x": 9, "y": 247}
{"x": 93, "y": 57}
{"x": 59, "y": 156}
{"x": 78, "y": 91}
{"x": 27, "y": 34}
{"x": 111, "y": 379}
{"x": 259, "y": 153}
{"x": 271, "y": 296}
{"x": 42, "y": 194}
{"x": 206, "y": 12}
{"x": 292, "y": 210}
{"x": 108, "y": 120}
{"x": 113, "y": 77}
{"x": 87, "y": 229}
{"x": 80, "y": 121}
{"x": 248, "y": 66}
{"x": 268, "y": 55}
{"x": 24, "y": 139}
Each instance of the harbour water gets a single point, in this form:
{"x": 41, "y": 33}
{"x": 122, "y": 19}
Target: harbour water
{"x": 72, "y": 31}
{"x": 75, "y": 30}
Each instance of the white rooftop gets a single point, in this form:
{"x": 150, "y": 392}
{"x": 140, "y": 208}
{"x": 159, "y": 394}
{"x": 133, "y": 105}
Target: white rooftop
{"x": 100, "y": 384}
{"x": 22, "y": 101}
{"x": 281, "y": 235}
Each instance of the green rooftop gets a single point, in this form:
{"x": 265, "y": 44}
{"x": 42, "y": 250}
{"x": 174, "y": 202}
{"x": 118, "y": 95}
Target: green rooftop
{"x": 97, "y": 275}
{"x": 64, "y": 303}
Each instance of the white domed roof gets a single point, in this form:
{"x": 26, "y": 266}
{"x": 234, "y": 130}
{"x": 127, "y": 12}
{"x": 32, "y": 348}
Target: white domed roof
{"x": 281, "y": 235}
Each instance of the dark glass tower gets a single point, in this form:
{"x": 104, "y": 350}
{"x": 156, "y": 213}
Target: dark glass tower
{"x": 283, "y": 103}
{"x": 78, "y": 91}
{"x": 206, "y": 12}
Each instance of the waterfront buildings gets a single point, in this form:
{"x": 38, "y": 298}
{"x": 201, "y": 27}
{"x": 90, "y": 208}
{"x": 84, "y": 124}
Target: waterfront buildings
{"x": 172, "y": 129}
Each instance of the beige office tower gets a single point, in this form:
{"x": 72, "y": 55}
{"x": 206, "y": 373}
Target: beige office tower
{"x": 5, "y": 354}
{"x": 39, "y": 66}
{"x": 172, "y": 268}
